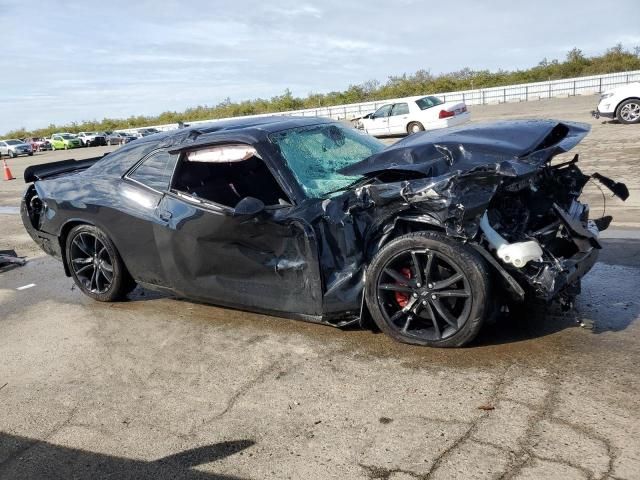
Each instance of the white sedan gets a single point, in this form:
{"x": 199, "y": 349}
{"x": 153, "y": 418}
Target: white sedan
{"x": 412, "y": 116}
{"x": 621, "y": 103}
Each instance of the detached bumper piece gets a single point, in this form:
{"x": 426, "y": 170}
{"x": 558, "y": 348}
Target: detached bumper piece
{"x": 10, "y": 259}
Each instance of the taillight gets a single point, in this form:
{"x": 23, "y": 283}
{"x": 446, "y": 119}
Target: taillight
{"x": 445, "y": 114}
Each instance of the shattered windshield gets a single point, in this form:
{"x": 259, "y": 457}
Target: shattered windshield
{"x": 316, "y": 153}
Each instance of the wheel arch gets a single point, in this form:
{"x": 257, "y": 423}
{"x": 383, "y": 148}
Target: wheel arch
{"x": 402, "y": 224}
{"x": 398, "y": 225}
{"x": 64, "y": 232}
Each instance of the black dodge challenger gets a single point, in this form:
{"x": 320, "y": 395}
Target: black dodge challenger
{"x": 311, "y": 219}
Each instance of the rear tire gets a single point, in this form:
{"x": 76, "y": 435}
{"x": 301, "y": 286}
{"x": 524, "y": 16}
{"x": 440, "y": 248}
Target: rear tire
{"x": 628, "y": 112}
{"x": 95, "y": 264}
{"x": 426, "y": 289}
{"x": 414, "y": 127}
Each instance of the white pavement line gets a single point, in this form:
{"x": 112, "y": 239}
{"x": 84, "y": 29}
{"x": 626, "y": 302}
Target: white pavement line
{"x": 24, "y": 287}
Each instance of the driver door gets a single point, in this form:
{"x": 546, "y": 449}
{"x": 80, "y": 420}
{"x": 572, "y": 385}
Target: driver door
{"x": 263, "y": 261}
{"x": 378, "y": 124}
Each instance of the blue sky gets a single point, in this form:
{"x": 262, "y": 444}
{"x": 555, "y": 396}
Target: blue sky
{"x": 81, "y": 60}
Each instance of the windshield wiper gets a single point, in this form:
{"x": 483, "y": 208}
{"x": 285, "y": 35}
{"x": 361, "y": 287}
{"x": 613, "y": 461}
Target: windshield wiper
{"x": 358, "y": 183}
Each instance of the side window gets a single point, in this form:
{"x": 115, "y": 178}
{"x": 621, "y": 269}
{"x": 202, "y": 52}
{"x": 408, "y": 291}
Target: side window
{"x": 155, "y": 171}
{"x": 382, "y": 111}
{"x": 226, "y": 174}
{"x": 400, "y": 109}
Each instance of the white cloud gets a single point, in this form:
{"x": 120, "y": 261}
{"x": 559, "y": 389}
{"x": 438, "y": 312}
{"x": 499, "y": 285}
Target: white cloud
{"x": 295, "y": 10}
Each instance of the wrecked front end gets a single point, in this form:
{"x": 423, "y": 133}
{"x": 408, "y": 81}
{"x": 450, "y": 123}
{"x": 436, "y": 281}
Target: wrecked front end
{"x": 495, "y": 188}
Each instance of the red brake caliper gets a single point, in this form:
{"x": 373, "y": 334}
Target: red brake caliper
{"x": 403, "y": 298}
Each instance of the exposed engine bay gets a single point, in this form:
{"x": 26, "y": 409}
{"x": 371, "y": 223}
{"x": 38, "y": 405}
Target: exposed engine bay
{"x": 537, "y": 227}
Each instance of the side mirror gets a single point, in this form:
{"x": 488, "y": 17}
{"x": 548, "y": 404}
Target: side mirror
{"x": 248, "y": 207}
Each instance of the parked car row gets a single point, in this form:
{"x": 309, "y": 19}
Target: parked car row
{"x": 66, "y": 141}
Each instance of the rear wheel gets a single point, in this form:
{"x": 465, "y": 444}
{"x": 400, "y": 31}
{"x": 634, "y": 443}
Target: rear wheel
{"x": 414, "y": 127}
{"x": 426, "y": 289}
{"x": 629, "y": 111}
{"x": 95, "y": 265}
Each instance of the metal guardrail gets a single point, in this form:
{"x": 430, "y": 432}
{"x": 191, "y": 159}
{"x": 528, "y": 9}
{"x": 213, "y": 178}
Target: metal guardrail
{"x": 512, "y": 93}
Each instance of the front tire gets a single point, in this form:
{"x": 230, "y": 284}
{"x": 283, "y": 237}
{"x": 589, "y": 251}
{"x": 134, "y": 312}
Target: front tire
{"x": 628, "y": 112}
{"x": 95, "y": 264}
{"x": 414, "y": 127}
{"x": 426, "y": 289}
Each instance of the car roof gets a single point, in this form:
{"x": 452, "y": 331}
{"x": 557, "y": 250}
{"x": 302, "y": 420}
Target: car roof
{"x": 257, "y": 127}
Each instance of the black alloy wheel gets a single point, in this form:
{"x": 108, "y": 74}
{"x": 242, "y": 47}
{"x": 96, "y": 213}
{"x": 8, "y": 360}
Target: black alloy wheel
{"x": 427, "y": 289}
{"x": 95, "y": 265}
{"x": 91, "y": 263}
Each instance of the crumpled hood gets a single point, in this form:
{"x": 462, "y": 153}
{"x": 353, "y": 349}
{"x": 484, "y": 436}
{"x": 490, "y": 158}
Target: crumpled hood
{"x": 510, "y": 148}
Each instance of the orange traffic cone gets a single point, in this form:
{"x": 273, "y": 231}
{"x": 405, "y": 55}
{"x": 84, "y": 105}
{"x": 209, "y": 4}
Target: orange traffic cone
{"x": 7, "y": 172}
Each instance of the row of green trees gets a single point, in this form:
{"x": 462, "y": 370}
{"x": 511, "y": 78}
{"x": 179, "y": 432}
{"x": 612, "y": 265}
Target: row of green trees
{"x": 576, "y": 64}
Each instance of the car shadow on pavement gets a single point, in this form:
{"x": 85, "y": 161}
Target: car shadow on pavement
{"x": 141, "y": 294}
{"x": 23, "y": 457}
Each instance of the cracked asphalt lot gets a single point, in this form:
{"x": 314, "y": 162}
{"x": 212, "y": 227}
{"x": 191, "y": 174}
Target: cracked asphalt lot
{"x": 158, "y": 387}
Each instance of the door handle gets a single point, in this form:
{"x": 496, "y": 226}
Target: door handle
{"x": 165, "y": 215}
